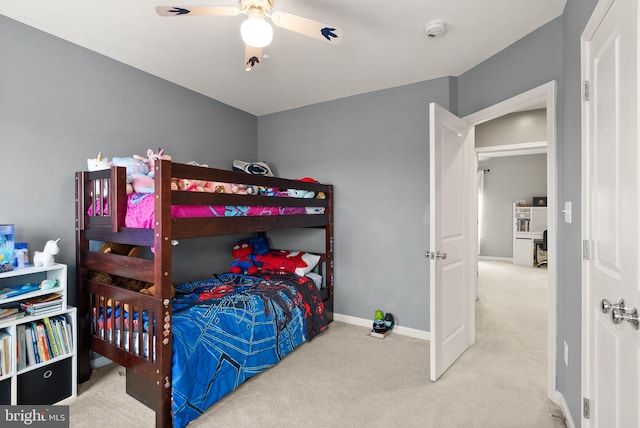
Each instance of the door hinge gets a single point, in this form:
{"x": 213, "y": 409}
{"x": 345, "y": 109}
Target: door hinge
{"x": 585, "y": 90}
{"x": 585, "y": 250}
{"x": 586, "y": 409}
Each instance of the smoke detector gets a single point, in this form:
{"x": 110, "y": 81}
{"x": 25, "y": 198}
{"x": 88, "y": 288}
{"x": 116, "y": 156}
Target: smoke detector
{"x": 435, "y": 29}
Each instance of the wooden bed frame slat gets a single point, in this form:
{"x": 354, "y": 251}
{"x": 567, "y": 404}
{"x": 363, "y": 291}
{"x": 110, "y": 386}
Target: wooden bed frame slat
{"x": 127, "y": 235}
{"x": 128, "y": 267}
{"x": 184, "y": 228}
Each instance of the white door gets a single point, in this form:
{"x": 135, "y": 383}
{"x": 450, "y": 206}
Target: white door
{"x": 611, "y": 213}
{"x": 453, "y": 242}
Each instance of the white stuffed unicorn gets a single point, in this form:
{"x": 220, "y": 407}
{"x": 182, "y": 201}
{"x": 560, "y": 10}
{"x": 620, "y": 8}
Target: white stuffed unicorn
{"x": 98, "y": 163}
{"x": 46, "y": 257}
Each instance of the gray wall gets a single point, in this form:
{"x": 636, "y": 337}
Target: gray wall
{"x": 577, "y": 13}
{"x": 510, "y": 178}
{"x": 60, "y": 104}
{"x": 371, "y": 146}
{"x": 514, "y": 128}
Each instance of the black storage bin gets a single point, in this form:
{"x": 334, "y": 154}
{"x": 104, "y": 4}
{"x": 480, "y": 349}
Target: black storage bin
{"x": 5, "y": 392}
{"x": 45, "y": 385}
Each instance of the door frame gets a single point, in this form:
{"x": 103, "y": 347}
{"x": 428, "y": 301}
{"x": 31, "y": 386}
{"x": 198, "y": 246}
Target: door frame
{"x": 543, "y": 96}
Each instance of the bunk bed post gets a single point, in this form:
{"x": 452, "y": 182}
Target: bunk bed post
{"x": 118, "y": 198}
{"x": 329, "y": 252}
{"x": 82, "y": 298}
{"x": 163, "y": 275}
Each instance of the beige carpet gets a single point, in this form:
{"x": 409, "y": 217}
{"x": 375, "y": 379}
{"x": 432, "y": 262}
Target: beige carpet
{"x": 344, "y": 378}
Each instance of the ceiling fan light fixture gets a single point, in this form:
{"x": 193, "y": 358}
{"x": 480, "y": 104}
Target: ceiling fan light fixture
{"x": 256, "y": 32}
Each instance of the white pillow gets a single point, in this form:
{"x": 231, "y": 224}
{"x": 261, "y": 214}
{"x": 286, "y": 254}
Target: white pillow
{"x": 311, "y": 260}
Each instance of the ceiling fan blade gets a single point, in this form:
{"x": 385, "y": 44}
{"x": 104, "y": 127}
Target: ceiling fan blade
{"x": 252, "y": 57}
{"x": 198, "y": 11}
{"x": 308, "y": 27}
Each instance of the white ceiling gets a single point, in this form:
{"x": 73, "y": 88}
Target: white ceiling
{"x": 384, "y": 44}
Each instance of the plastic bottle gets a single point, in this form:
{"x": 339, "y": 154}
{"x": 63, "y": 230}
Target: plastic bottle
{"x": 20, "y": 249}
{"x": 26, "y": 254}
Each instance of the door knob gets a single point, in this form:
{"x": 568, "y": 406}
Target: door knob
{"x": 433, "y": 255}
{"x": 631, "y": 316}
{"x": 606, "y": 305}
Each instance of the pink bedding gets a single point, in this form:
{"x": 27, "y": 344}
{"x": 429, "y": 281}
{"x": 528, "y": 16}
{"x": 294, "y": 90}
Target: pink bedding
{"x": 140, "y": 211}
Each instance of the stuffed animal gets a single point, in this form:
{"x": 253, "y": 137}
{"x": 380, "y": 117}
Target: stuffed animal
{"x": 152, "y": 289}
{"x": 151, "y": 158}
{"x": 244, "y": 260}
{"x": 217, "y": 187}
{"x": 297, "y": 193}
{"x": 244, "y": 189}
{"x": 120, "y": 281}
{"x": 142, "y": 183}
{"x": 46, "y": 257}
{"x": 194, "y": 163}
{"x": 267, "y": 191}
{"x": 281, "y": 261}
{"x": 308, "y": 194}
{"x": 133, "y": 166}
{"x": 98, "y": 163}
{"x": 189, "y": 185}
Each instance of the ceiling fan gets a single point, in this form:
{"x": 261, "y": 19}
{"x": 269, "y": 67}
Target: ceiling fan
{"x": 255, "y": 30}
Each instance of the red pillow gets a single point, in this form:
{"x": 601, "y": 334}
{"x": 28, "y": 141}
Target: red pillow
{"x": 296, "y": 262}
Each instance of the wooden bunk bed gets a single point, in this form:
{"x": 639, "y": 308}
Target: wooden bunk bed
{"x": 101, "y": 207}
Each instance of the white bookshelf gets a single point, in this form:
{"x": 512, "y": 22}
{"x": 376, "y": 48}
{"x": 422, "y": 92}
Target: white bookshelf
{"x": 51, "y": 380}
{"x": 529, "y": 224}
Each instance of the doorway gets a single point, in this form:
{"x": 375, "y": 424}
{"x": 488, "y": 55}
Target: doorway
{"x": 543, "y": 96}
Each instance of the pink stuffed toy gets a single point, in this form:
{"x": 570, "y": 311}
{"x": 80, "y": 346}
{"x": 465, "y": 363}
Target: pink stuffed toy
{"x": 151, "y": 159}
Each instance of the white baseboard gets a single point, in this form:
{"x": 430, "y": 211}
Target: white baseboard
{"x": 398, "y": 329}
{"x": 497, "y": 259}
{"x": 558, "y": 398}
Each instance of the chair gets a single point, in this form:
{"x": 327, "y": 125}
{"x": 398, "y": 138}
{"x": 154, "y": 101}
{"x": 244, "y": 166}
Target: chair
{"x": 541, "y": 250}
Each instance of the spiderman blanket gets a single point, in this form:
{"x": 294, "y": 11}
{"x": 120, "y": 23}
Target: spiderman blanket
{"x": 232, "y": 327}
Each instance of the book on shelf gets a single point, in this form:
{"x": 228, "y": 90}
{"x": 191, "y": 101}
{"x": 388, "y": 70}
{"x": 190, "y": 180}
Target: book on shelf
{"x": 43, "y": 348}
{"x": 41, "y": 304}
{"x": 22, "y": 348}
{"x": 61, "y": 327}
{"x": 53, "y": 341}
{"x": 30, "y": 346}
{"x": 5, "y": 352}
{"x": 10, "y": 313}
{"x": 67, "y": 332}
{"x": 42, "y": 340}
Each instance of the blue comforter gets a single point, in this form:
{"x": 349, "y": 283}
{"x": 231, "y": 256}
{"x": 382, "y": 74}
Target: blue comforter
{"x": 232, "y": 327}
